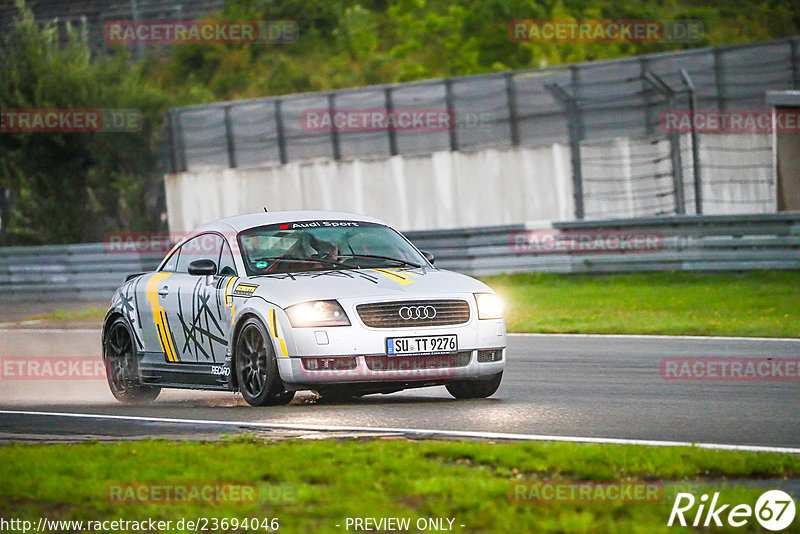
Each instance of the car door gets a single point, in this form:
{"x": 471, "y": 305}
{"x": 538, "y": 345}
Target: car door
{"x": 151, "y": 296}
{"x": 196, "y": 306}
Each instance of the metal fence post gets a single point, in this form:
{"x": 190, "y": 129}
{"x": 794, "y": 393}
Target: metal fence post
{"x": 448, "y": 99}
{"x": 513, "y": 117}
{"x": 179, "y": 147}
{"x": 674, "y": 143}
{"x": 794, "y": 47}
{"x": 172, "y": 155}
{"x": 337, "y": 154}
{"x": 719, "y": 80}
{"x": 648, "y": 104}
{"x": 575, "y": 123}
{"x": 229, "y": 141}
{"x": 139, "y": 47}
{"x": 281, "y": 135}
{"x": 391, "y": 133}
{"x": 5, "y": 214}
{"x": 677, "y": 170}
{"x": 698, "y": 189}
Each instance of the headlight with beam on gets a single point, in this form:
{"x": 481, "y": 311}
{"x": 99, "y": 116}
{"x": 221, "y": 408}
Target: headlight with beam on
{"x": 317, "y": 313}
{"x": 489, "y": 306}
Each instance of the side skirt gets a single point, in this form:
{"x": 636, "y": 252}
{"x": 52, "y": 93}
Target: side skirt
{"x": 153, "y": 372}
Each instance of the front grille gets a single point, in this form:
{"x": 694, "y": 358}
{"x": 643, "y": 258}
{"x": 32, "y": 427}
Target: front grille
{"x": 414, "y": 313}
{"x": 329, "y": 364}
{"x": 416, "y": 363}
{"x": 489, "y": 356}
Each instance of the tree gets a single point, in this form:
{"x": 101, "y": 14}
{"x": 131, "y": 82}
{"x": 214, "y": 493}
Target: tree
{"x": 67, "y": 186}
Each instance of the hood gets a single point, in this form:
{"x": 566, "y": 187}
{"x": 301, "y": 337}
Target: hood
{"x": 384, "y": 283}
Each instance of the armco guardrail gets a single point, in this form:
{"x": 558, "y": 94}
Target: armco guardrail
{"x": 685, "y": 243}
{"x": 76, "y": 272}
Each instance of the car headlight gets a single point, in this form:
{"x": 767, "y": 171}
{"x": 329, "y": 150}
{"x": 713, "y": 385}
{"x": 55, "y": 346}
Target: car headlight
{"x": 317, "y": 313}
{"x": 489, "y": 306}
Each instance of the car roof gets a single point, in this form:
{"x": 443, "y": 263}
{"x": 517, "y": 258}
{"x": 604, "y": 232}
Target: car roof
{"x": 237, "y": 223}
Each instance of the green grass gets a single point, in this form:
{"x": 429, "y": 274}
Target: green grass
{"x": 763, "y": 303}
{"x": 82, "y": 314}
{"x": 311, "y": 486}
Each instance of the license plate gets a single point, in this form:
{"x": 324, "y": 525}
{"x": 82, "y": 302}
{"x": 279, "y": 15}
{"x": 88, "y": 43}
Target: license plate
{"x": 421, "y": 345}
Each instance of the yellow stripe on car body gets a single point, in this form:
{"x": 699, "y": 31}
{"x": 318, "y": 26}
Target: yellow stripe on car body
{"x": 400, "y": 277}
{"x": 160, "y": 317}
{"x": 273, "y": 329}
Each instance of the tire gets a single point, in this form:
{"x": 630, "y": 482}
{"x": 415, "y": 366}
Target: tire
{"x": 122, "y": 366}
{"x": 474, "y": 389}
{"x": 256, "y": 367}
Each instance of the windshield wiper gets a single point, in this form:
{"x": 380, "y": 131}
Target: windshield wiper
{"x": 376, "y": 257}
{"x": 308, "y": 260}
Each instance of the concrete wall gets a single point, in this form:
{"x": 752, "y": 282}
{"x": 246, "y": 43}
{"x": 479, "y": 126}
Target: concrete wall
{"x": 625, "y": 177}
{"x": 489, "y": 187}
{"x": 738, "y": 174}
{"x": 439, "y": 190}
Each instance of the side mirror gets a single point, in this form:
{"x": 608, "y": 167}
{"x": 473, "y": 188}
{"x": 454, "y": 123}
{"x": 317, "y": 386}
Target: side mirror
{"x": 203, "y": 267}
{"x": 428, "y": 256}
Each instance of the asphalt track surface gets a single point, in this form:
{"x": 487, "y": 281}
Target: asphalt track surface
{"x": 554, "y": 385}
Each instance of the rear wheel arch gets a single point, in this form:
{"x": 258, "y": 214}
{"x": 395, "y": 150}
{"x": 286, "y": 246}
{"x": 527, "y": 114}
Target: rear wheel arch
{"x": 110, "y": 319}
{"x": 121, "y": 363}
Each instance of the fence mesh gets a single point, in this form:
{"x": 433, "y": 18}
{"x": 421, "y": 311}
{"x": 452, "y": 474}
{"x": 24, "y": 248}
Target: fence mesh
{"x": 628, "y": 165}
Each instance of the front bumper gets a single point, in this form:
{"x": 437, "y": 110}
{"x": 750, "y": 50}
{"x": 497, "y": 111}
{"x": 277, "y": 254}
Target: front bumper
{"x": 294, "y": 373}
{"x": 364, "y": 348}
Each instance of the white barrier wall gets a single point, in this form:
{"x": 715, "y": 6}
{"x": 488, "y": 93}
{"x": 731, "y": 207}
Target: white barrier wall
{"x": 489, "y": 187}
{"x": 625, "y": 177}
{"x": 432, "y": 191}
{"x": 738, "y": 174}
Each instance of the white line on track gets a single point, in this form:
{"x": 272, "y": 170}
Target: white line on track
{"x": 416, "y": 431}
{"x": 52, "y": 330}
{"x": 656, "y": 336}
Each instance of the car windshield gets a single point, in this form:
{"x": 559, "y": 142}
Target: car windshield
{"x": 324, "y": 245}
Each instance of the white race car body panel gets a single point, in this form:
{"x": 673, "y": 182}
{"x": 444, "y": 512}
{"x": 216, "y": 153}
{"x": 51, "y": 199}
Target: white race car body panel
{"x": 184, "y": 325}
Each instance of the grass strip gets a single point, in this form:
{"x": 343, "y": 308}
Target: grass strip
{"x": 311, "y": 486}
{"x": 761, "y": 303}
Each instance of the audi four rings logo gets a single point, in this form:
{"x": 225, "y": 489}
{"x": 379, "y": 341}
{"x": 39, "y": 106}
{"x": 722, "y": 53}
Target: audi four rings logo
{"x": 417, "y": 312}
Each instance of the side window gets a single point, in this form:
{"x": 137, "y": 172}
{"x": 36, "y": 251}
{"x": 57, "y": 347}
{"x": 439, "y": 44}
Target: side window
{"x": 225, "y": 266}
{"x": 172, "y": 262}
{"x": 203, "y": 246}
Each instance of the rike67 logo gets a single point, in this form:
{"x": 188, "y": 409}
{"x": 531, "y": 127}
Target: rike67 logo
{"x": 774, "y": 510}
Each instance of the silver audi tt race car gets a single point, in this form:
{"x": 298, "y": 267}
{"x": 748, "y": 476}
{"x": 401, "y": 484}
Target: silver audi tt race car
{"x": 271, "y": 303}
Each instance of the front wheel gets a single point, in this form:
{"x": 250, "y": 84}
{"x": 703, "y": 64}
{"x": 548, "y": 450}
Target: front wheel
{"x": 257, "y": 369}
{"x": 474, "y": 389}
{"x": 122, "y": 366}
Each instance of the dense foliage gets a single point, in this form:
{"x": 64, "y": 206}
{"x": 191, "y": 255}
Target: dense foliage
{"x": 353, "y": 43}
{"x": 71, "y": 187}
